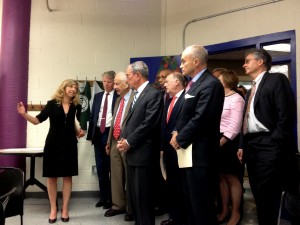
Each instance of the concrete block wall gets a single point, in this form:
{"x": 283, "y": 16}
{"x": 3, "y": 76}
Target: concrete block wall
{"x": 82, "y": 39}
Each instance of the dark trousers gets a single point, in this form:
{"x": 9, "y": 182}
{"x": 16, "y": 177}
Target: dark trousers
{"x": 175, "y": 193}
{"x": 102, "y": 163}
{"x": 200, "y": 186}
{"x": 263, "y": 159}
{"x": 140, "y": 187}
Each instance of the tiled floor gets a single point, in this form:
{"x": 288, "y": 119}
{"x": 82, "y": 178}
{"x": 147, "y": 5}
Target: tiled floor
{"x": 83, "y": 212}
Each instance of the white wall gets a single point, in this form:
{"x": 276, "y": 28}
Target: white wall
{"x": 84, "y": 38}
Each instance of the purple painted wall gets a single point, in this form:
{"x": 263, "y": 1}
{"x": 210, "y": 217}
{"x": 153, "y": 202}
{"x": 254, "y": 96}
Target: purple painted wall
{"x": 14, "y": 56}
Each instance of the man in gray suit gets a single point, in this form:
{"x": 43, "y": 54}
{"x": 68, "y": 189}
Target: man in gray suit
{"x": 117, "y": 159}
{"x": 141, "y": 129}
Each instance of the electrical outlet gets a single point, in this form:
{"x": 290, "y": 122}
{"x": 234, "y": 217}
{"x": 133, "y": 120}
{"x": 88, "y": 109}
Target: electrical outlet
{"x": 94, "y": 169}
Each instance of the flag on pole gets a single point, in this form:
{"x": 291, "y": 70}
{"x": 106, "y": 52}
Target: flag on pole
{"x": 85, "y": 96}
{"x": 96, "y": 89}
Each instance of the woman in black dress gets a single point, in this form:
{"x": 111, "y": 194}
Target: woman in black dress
{"x": 60, "y": 151}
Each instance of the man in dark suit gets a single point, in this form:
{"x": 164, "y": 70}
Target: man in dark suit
{"x": 138, "y": 141}
{"x": 269, "y": 119}
{"x": 120, "y": 202}
{"x": 199, "y": 124}
{"x": 174, "y": 85}
{"x": 99, "y": 124}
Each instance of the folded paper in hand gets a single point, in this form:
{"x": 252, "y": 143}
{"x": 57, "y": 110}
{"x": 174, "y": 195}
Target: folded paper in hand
{"x": 184, "y": 156}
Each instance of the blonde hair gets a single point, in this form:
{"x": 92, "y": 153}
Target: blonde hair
{"x": 61, "y": 90}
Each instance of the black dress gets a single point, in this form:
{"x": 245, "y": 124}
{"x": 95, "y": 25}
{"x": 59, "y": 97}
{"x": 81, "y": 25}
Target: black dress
{"x": 60, "y": 151}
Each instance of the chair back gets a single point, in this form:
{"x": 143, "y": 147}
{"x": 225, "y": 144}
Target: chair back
{"x": 5, "y": 198}
{"x": 2, "y": 216}
{"x": 13, "y": 178}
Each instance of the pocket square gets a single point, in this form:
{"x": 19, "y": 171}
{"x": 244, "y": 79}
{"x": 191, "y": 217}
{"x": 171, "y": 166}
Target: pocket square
{"x": 188, "y": 96}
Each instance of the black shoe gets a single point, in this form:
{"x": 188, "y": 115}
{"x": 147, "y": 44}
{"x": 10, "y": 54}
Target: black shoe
{"x": 128, "y": 217}
{"x": 107, "y": 205}
{"x": 52, "y": 220}
{"x": 100, "y": 203}
{"x": 65, "y": 220}
{"x": 159, "y": 211}
{"x": 168, "y": 222}
{"x": 113, "y": 212}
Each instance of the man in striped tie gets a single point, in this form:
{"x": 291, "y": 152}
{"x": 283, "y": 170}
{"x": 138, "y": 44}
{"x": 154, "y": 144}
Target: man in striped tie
{"x": 138, "y": 140}
{"x": 120, "y": 203}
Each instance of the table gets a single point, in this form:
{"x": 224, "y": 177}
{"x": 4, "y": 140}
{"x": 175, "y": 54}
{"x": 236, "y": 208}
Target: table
{"x": 32, "y": 153}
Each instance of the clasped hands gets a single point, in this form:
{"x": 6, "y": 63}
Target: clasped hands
{"x": 122, "y": 145}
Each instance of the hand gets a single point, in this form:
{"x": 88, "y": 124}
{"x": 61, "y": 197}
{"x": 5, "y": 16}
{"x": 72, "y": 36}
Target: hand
{"x": 21, "y": 108}
{"x": 107, "y": 149}
{"x": 122, "y": 145}
{"x": 240, "y": 155}
{"x": 174, "y": 142}
{"x": 81, "y": 133}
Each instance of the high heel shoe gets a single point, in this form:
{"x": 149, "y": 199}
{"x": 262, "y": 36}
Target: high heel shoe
{"x": 52, "y": 220}
{"x": 65, "y": 219}
{"x": 225, "y": 219}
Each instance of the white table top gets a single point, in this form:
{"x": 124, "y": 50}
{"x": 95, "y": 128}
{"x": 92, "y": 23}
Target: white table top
{"x": 21, "y": 150}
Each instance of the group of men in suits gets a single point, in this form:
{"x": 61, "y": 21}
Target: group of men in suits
{"x": 191, "y": 117}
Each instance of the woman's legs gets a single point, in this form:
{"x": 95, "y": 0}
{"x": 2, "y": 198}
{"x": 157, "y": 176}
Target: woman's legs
{"x": 66, "y": 191}
{"x": 224, "y": 191}
{"x": 235, "y": 188}
{"x": 52, "y": 193}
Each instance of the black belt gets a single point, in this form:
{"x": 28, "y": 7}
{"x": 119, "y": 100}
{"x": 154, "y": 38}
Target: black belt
{"x": 257, "y": 134}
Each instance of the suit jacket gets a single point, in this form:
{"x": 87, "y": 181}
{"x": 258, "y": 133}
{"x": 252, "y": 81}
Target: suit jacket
{"x": 95, "y": 113}
{"x": 127, "y": 110}
{"x": 199, "y": 120}
{"x": 142, "y": 127}
{"x": 275, "y": 106}
{"x": 170, "y": 155}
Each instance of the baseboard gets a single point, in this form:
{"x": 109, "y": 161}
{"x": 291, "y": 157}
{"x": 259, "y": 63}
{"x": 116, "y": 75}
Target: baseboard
{"x": 76, "y": 194}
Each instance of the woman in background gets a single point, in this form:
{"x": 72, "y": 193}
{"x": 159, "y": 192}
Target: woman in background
{"x": 60, "y": 151}
{"x": 230, "y": 168}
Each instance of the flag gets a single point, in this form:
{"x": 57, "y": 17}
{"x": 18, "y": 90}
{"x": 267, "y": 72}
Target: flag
{"x": 96, "y": 89}
{"x": 85, "y": 96}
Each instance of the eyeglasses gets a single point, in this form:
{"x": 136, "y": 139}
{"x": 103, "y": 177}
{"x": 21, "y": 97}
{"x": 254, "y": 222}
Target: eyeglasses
{"x": 247, "y": 61}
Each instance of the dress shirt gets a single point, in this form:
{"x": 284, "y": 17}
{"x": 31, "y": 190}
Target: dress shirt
{"x": 140, "y": 89}
{"x": 177, "y": 96}
{"x": 109, "y": 109}
{"x": 126, "y": 98}
{"x": 254, "y": 125}
{"x": 198, "y": 75}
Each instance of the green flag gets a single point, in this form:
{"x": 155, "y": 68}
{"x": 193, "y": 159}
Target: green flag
{"x": 85, "y": 96}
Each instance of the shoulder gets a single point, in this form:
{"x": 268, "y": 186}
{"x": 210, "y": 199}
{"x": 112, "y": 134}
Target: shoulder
{"x": 52, "y": 102}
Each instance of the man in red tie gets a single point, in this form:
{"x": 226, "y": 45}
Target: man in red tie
{"x": 175, "y": 84}
{"x": 99, "y": 124}
{"x": 117, "y": 161}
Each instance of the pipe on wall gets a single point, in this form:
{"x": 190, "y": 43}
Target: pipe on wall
{"x": 224, "y": 13}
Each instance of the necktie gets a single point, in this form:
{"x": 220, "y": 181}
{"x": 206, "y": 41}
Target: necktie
{"x": 117, "y": 127}
{"x": 171, "y": 108}
{"x": 134, "y": 99}
{"x": 245, "y": 124}
{"x": 103, "y": 119}
{"x": 189, "y": 85}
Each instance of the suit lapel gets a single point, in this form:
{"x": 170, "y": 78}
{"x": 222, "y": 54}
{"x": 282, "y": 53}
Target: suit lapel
{"x": 128, "y": 107}
{"x": 258, "y": 89}
{"x": 197, "y": 83}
